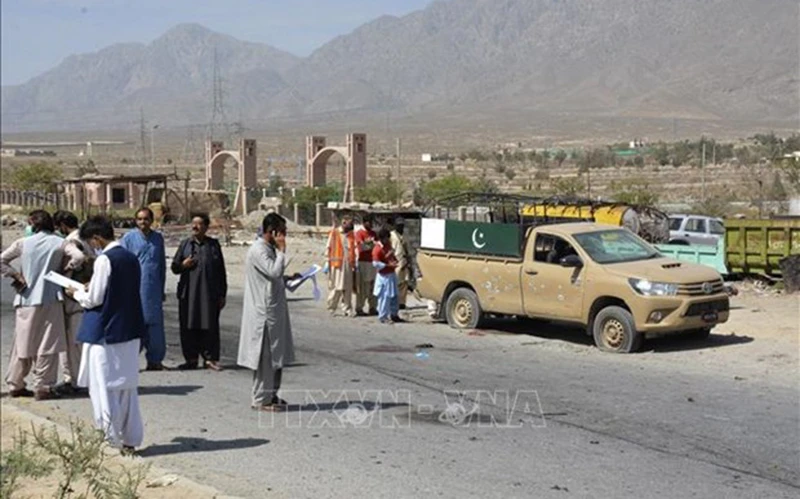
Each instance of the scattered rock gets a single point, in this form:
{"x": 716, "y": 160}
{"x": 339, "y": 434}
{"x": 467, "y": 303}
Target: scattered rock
{"x": 594, "y": 442}
{"x": 689, "y": 399}
{"x": 164, "y": 481}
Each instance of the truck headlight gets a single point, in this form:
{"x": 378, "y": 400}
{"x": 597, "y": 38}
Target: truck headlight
{"x": 648, "y": 288}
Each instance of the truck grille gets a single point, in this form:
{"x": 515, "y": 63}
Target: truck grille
{"x": 701, "y": 288}
{"x": 696, "y": 309}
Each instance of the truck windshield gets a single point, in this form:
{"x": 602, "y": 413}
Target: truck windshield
{"x": 615, "y": 246}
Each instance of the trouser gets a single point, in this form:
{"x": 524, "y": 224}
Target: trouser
{"x": 116, "y": 411}
{"x": 387, "y": 306}
{"x": 200, "y": 342}
{"x": 402, "y": 286}
{"x": 71, "y": 358}
{"x": 337, "y": 296}
{"x": 155, "y": 343}
{"x": 44, "y": 369}
{"x": 366, "y": 283}
{"x": 266, "y": 379}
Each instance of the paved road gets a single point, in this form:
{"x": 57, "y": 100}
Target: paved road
{"x": 542, "y": 415}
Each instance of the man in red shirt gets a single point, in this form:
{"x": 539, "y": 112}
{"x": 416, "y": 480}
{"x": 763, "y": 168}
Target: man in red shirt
{"x": 385, "y": 261}
{"x": 365, "y": 242}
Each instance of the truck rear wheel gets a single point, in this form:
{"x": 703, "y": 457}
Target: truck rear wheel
{"x": 615, "y": 331}
{"x": 462, "y": 310}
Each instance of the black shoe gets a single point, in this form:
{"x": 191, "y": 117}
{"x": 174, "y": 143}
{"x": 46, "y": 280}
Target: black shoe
{"x": 397, "y": 318}
{"x": 66, "y": 389}
{"x": 22, "y": 392}
{"x": 48, "y": 394}
{"x": 187, "y": 366}
{"x": 155, "y": 367}
{"x": 402, "y": 307}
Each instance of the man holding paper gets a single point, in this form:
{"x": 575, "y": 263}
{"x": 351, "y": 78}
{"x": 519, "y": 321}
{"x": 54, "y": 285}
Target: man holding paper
{"x": 111, "y": 331}
{"x": 265, "y": 338}
{"x": 39, "y": 335}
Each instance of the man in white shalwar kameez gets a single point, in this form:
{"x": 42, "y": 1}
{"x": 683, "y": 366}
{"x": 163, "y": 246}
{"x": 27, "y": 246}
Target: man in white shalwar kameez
{"x": 111, "y": 331}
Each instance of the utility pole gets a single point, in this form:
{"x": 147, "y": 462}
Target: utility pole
{"x": 142, "y": 135}
{"x": 703, "y": 170}
{"x": 152, "y": 147}
{"x": 397, "y": 173}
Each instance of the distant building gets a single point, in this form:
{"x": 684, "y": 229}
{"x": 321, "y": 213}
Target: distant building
{"x": 427, "y": 158}
{"x": 14, "y": 153}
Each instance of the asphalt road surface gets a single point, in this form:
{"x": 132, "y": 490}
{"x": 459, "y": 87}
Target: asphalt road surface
{"x": 496, "y": 414}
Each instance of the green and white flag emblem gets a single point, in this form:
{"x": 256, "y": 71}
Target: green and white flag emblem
{"x": 471, "y": 237}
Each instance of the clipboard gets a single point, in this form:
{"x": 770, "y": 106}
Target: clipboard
{"x": 293, "y": 284}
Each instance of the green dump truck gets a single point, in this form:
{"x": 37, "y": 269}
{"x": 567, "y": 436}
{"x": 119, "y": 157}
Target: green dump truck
{"x": 748, "y": 247}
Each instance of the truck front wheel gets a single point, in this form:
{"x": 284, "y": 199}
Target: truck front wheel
{"x": 462, "y": 310}
{"x": 615, "y": 331}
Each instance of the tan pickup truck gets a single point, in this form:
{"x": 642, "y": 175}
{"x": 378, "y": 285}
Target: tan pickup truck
{"x": 606, "y": 279}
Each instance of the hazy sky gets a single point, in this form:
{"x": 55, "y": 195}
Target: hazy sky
{"x": 39, "y": 34}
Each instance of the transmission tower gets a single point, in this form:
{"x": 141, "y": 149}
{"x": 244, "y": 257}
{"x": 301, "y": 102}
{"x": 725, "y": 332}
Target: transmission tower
{"x": 142, "y": 149}
{"x": 193, "y": 147}
{"x": 218, "y": 127}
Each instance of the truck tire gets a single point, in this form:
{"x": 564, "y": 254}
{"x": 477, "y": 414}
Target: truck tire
{"x": 462, "y": 309}
{"x": 614, "y": 331}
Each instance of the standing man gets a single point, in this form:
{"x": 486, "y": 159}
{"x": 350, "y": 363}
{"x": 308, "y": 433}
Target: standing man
{"x": 265, "y": 338}
{"x": 111, "y": 332}
{"x": 39, "y": 335}
{"x": 77, "y": 265}
{"x": 341, "y": 250}
{"x": 403, "y": 267}
{"x": 384, "y": 260}
{"x": 148, "y": 246}
{"x": 202, "y": 289}
{"x": 365, "y": 241}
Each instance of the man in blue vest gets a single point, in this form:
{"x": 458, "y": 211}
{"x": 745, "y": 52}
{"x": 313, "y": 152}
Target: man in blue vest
{"x": 111, "y": 332}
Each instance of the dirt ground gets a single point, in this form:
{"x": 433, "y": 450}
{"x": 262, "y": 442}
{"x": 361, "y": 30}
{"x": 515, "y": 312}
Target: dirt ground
{"x": 157, "y": 484}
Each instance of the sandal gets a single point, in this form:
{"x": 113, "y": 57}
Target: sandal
{"x": 213, "y": 365}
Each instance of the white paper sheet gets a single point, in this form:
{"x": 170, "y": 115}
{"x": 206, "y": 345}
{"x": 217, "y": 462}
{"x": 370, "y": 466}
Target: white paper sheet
{"x": 63, "y": 281}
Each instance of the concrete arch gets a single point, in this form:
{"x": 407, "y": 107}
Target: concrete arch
{"x": 216, "y": 169}
{"x": 354, "y": 153}
{"x": 246, "y": 160}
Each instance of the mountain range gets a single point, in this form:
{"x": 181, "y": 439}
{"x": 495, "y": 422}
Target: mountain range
{"x": 695, "y": 59}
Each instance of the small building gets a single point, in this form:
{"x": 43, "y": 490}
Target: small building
{"x": 105, "y": 193}
{"x": 427, "y": 158}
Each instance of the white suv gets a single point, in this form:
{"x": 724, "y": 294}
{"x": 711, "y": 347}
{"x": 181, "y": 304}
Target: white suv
{"x": 695, "y": 229}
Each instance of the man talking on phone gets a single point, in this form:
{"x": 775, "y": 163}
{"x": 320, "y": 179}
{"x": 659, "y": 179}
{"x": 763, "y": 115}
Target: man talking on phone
{"x": 265, "y": 338}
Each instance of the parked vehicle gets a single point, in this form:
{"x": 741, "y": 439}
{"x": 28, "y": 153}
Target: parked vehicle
{"x": 695, "y": 229}
{"x": 606, "y": 279}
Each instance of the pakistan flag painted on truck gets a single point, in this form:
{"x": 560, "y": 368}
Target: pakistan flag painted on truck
{"x": 471, "y": 237}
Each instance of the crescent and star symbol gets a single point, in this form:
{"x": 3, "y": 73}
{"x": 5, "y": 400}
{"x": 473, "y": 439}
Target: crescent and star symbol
{"x": 475, "y": 235}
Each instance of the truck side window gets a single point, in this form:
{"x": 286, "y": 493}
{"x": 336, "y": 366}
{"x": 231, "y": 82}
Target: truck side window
{"x": 717, "y": 228}
{"x": 551, "y": 249}
{"x": 675, "y": 223}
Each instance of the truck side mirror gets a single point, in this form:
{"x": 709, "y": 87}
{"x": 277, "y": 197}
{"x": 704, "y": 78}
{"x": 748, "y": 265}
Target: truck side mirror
{"x": 571, "y": 261}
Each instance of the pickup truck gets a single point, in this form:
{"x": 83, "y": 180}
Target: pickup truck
{"x": 606, "y": 279}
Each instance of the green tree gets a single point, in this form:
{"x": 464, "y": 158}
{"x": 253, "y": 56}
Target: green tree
{"x": 661, "y": 154}
{"x": 39, "y": 176}
{"x": 778, "y": 191}
{"x": 380, "y": 191}
{"x": 560, "y": 157}
{"x": 634, "y": 191}
{"x": 567, "y": 186}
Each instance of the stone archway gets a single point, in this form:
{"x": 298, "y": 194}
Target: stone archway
{"x": 354, "y": 154}
{"x": 245, "y": 158}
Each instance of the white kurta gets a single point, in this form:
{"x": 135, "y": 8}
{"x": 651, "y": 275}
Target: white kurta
{"x": 111, "y": 372}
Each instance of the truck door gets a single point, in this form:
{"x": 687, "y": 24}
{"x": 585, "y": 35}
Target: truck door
{"x": 695, "y": 231}
{"x": 550, "y": 289}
